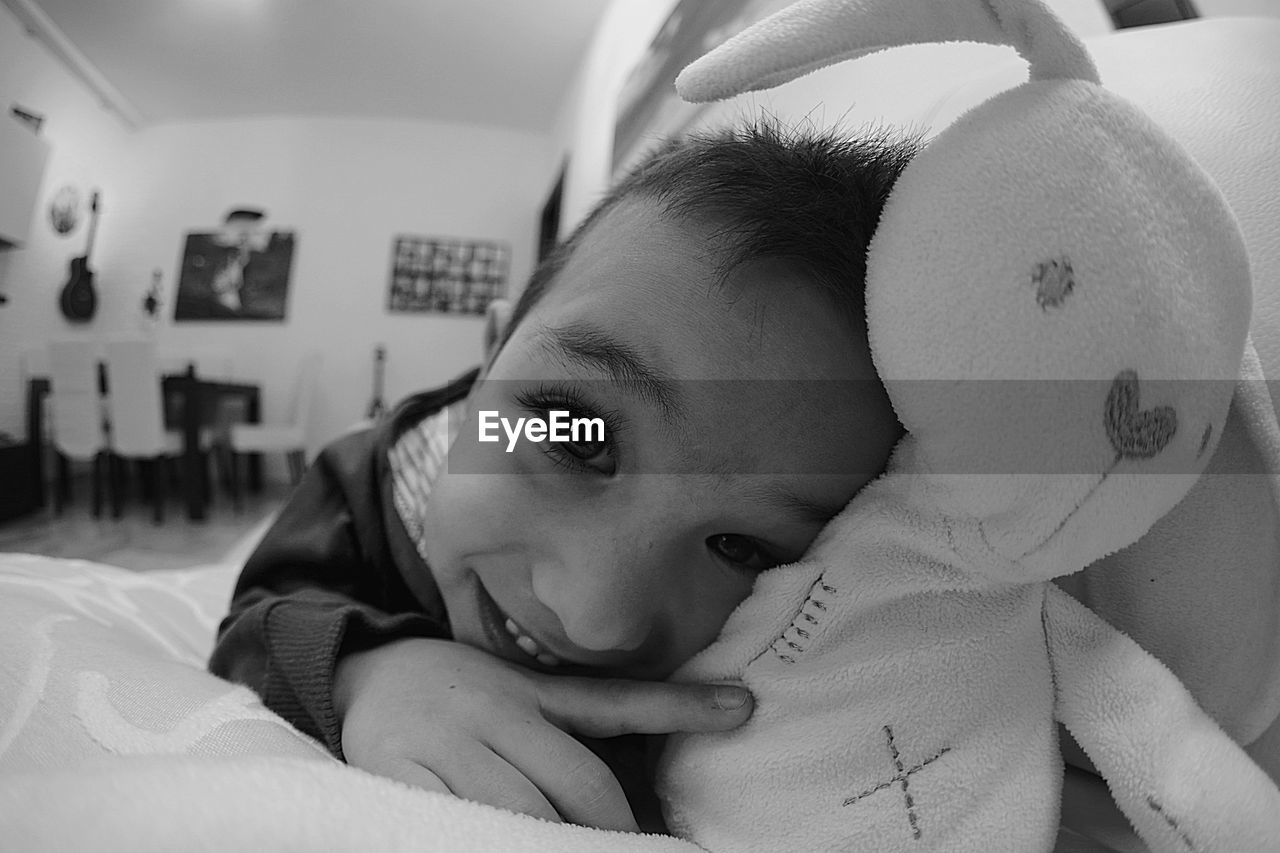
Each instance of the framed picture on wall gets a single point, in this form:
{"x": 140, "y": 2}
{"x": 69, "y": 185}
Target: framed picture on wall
{"x": 649, "y": 109}
{"x": 446, "y": 275}
{"x": 239, "y": 272}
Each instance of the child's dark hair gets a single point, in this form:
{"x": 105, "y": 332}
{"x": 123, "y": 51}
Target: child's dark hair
{"x": 808, "y": 198}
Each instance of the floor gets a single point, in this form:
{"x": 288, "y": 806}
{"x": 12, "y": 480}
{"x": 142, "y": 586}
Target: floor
{"x": 135, "y": 541}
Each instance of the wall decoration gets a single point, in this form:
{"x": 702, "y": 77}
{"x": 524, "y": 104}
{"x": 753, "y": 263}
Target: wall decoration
{"x": 446, "y": 275}
{"x": 239, "y": 272}
{"x": 77, "y": 299}
{"x": 648, "y": 107}
{"x": 64, "y": 210}
{"x": 1140, "y": 13}
{"x": 151, "y": 301}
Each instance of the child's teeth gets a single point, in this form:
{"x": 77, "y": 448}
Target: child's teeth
{"x": 528, "y": 645}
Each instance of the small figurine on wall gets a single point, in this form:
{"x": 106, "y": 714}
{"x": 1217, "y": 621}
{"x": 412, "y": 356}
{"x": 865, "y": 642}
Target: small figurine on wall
{"x": 239, "y": 272}
{"x": 151, "y": 300}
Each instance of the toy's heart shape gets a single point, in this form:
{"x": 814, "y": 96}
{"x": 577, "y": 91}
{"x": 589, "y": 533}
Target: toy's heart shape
{"x": 1136, "y": 433}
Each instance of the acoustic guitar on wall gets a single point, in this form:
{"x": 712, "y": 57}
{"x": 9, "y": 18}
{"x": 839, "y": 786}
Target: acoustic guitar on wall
{"x": 377, "y": 408}
{"x": 78, "y": 300}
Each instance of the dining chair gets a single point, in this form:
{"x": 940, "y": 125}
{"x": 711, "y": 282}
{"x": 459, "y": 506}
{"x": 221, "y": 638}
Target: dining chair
{"x": 33, "y": 364}
{"x": 288, "y": 437}
{"x": 213, "y": 362}
{"x": 136, "y": 416}
{"x": 77, "y": 427}
{"x": 34, "y": 361}
{"x": 208, "y": 362}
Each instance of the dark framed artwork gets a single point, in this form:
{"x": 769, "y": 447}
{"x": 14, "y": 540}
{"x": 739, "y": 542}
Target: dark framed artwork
{"x": 234, "y": 276}
{"x": 1140, "y": 13}
{"x": 446, "y": 275}
{"x": 649, "y": 109}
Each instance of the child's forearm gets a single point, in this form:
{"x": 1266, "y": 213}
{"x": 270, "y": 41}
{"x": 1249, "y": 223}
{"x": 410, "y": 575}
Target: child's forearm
{"x": 322, "y": 581}
{"x": 286, "y": 649}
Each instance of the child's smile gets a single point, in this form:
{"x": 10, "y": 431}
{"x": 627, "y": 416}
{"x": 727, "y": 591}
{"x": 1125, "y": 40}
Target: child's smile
{"x": 505, "y": 634}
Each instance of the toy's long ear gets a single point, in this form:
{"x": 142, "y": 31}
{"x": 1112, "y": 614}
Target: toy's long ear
{"x": 814, "y": 33}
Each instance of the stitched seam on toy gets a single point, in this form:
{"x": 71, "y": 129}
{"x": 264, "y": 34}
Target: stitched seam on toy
{"x": 795, "y": 640}
{"x": 1173, "y": 824}
{"x": 901, "y": 776}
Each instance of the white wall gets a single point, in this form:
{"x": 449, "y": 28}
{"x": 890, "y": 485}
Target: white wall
{"x": 584, "y": 127}
{"x": 346, "y": 187}
{"x": 896, "y": 86}
{"x": 85, "y": 141}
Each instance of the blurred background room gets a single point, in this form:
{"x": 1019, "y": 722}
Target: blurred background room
{"x": 231, "y": 230}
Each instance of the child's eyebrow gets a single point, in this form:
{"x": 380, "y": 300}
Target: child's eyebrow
{"x": 594, "y": 349}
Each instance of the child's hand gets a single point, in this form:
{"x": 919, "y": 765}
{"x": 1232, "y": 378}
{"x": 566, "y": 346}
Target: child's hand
{"x": 447, "y": 717}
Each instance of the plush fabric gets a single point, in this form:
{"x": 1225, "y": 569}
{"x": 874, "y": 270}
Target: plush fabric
{"x": 160, "y": 805}
{"x": 1058, "y": 300}
{"x": 99, "y": 662}
{"x": 1214, "y": 85}
{"x": 113, "y": 737}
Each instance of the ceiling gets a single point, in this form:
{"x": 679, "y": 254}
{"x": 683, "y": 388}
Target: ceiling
{"x": 495, "y": 62}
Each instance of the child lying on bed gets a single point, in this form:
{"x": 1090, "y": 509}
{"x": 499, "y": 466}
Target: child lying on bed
{"x": 454, "y": 625}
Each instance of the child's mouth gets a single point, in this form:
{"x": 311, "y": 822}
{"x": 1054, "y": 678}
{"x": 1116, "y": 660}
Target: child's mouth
{"x": 510, "y": 635}
{"x": 528, "y": 645}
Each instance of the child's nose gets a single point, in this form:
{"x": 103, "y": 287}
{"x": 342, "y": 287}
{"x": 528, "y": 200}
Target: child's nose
{"x": 600, "y": 593}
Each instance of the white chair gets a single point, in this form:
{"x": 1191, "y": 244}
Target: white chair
{"x": 289, "y": 437}
{"x": 76, "y": 415}
{"x": 34, "y": 361}
{"x": 136, "y": 415}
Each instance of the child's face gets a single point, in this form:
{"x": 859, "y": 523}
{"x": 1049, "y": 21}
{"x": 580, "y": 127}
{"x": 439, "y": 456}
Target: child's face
{"x": 628, "y": 556}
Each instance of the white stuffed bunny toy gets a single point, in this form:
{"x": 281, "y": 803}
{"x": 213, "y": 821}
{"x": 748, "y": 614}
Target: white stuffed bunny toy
{"x": 1058, "y": 301}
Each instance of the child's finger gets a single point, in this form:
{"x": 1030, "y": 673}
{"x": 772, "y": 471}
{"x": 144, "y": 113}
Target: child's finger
{"x": 411, "y": 773}
{"x": 611, "y": 707}
{"x": 484, "y": 776}
{"x": 580, "y": 785}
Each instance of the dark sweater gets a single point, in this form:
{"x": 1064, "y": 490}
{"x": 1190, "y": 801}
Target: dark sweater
{"x": 335, "y": 573}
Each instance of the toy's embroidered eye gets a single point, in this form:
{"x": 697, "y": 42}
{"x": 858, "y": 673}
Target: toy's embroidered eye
{"x": 1054, "y": 280}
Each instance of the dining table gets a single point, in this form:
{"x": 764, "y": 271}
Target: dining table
{"x": 192, "y": 400}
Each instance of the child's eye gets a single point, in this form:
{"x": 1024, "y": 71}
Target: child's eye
{"x": 594, "y": 455}
{"x": 743, "y": 552}
{"x": 590, "y": 453}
